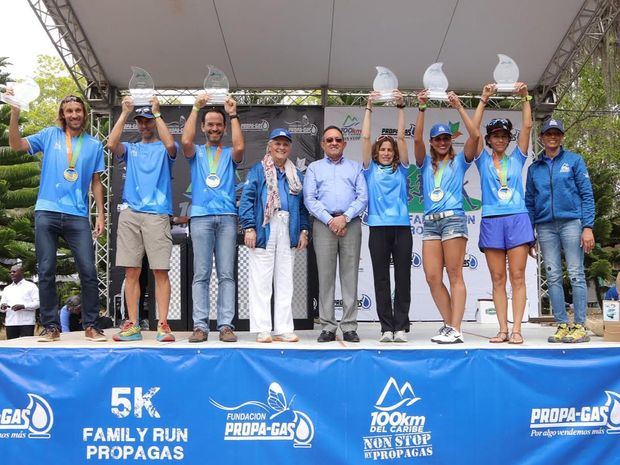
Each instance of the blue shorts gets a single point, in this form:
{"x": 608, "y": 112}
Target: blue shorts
{"x": 505, "y": 232}
{"x": 445, "y": 228}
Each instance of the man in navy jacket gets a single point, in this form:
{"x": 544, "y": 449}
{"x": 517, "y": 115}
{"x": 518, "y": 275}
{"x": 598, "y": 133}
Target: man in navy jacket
{"x": 561, "y": 206}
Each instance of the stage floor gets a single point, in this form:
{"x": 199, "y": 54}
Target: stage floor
{"x": 476, "y": 335}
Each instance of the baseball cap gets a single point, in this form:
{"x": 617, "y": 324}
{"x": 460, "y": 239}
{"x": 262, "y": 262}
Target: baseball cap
{"x": 552, "y": 123}
{"x": 439, "y": 129}
{"x": 144, "y": 112}
{"x": 280, "y": 132}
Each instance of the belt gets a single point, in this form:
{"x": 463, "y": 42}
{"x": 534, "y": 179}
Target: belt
{"x": 439, "y": 216}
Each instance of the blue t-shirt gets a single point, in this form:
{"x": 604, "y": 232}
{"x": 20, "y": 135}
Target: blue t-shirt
{"x": 492, "y": 205}
{"x": 387, "y": 195}
{"x": 451, "y": 185}
{"x": 220, "y": 200}
{"x": 56, "y": 194}
{"x": 148, "y": 182}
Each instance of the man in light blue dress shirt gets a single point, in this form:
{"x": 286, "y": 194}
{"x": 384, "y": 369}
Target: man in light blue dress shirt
{"x": 335, "y": 194}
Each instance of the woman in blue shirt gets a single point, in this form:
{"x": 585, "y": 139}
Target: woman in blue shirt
{"x": 445, "y": 223}
{"x": 386, "y": 164}
{"x": 505, "y": 230}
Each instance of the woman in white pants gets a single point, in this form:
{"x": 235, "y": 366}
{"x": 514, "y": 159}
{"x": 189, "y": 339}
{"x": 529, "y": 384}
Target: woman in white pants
{"x": 275, "y": 224}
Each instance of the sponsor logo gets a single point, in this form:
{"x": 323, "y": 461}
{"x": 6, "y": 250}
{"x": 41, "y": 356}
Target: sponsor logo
{"x": 409, "y": 132}
{"x": 303, "y": 126}
{"x": 470, "y": 261}
{"x": 585, "y": 420}
{"x": 33, "y": 421}
{"x": 272, "y": 421}
{"x": 262, "y": 125}
{"x": 351, "y": 128}
{"x": 564, "y": 168}
{"x": 394, "y": 432}
{"x": 301, "y": 164}
{"x": 416, "y": 260}
{"x": 363, "y": 303}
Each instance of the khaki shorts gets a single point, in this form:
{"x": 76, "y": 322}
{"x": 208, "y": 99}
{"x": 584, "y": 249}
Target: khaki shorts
{"x": 143, "y": 232}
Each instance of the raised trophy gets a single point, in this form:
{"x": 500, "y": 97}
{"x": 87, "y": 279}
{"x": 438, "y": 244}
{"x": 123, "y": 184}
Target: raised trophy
{"x": 141, "y": 87}
{"x": 25, "y": 92}
{"x": 506, "y": 74}
{"x": 436, "y": 82}
{"x": 216, "y": 85}
{"x": 385, "y": 83}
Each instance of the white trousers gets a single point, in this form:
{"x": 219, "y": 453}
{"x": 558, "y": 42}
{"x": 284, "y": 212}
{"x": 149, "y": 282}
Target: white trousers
{"x": 272, "y": 265}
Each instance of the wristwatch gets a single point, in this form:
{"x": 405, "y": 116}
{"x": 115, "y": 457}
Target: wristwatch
{"x": 346, "y": 218}
{"x": 248, "y": 229}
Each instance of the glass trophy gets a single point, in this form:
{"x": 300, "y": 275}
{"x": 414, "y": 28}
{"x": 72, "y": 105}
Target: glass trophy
{"x": 385, "y": 83}
{"x": 506, "y": 74}
{"x": 216, "y": 85}
{"x": 436, "y": 82}
{"x": 25, "y": 92}
{"x": 141, "y": 86}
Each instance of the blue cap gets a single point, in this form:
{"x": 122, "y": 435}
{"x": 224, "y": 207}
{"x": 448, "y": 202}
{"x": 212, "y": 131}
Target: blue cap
{"x": 144, "y": 112}
{"x": 552, "y": 123}
{"x": 280, "y": 132}
{"x": 439, "y": 129}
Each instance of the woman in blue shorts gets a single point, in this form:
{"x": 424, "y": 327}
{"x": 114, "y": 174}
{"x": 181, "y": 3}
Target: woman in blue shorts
{"x": 386, "y": 164}
{"x": 505, "y": 230}
{"x": 445, "y": 223}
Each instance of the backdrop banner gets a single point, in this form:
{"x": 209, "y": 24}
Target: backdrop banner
{"x": 210, "y": 406}
{"x": 475, "y": 271}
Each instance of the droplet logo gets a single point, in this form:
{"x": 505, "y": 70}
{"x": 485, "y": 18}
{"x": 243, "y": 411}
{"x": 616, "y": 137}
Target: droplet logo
{"x": 37, "y": 418}
{"x": 613, "y": 419}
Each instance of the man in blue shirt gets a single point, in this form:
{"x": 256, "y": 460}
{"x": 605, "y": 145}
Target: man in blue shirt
{"x": 335, "y": 194}
{"x": 560, "y": 203}
{"x": 144, "y": 221}
{"x": 612, "y": 292}
{"x": 213, "y": 223}
{"x": 72, "y": 161}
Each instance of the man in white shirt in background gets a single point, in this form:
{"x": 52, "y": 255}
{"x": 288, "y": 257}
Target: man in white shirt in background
{"x": 20, "y": 300}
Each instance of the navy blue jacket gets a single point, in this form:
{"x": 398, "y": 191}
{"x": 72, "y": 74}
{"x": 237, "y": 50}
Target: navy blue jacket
{"x": 253, "y": 202}
{"x": 561, "y": 191}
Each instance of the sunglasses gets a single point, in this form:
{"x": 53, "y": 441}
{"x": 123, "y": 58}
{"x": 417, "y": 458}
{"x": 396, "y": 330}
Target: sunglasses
{"x": 338, "y": 140}
{"x": 384, "y": 137}
{"x": 71, "y": 98}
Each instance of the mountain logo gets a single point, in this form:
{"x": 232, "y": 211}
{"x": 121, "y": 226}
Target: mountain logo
{"x": 393, "y": 396}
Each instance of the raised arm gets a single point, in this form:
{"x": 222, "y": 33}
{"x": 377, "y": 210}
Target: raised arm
{"x": 162, "y": 129}
{"x": 487, "y": 91}
{"x": 366, "y": 126}
{"x": 419, "y": 149}
{"x": 526, "y": 124}
{"x": 16, "y": 141}
{"x": 114, "y": 141}
{"x": 400, "y": 134}
{"x": 471, "y": 144}
{"x": 238, "y": 144}
{"x": 189, "y": 130}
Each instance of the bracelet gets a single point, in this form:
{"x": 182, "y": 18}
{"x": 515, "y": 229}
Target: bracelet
{"x": 195, "y": 108}
{"x": 369, "y": 109}
{"x": 234, "y": 116}
{"x": 484, "y": 101}
{"x": 422, "y": 106}
{"x": 304, "y": 232}
{"x": 248, "y": 230}
{"x": 401, "y": 106}
{"x": 526, "y": 98}
{"x": 157, "y": 115}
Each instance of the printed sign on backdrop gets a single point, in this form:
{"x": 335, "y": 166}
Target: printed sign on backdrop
{"x": 475, "y": 271}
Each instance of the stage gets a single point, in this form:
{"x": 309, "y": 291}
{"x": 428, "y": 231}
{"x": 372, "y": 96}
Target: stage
{"x": 76, "y": 401}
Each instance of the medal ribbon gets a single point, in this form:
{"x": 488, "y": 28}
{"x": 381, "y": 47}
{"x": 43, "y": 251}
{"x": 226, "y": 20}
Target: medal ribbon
{"x": 216, "y": 159}
{"x": 439, "y": 173}
{"x": 502, "y": 170}
{"x": 72, "y": 156}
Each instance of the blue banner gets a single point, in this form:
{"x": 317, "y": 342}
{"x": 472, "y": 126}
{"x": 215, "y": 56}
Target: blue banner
{"x": 187, "y": 406}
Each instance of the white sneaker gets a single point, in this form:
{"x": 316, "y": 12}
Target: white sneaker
{"x": 441, "y": 332}
{"x": 263, "y": 337}
{"x": 286, "y": 337}
{"x": 387, "y": 336}
{"x": 450, "y": 336}
{"x": 400, "y": 336}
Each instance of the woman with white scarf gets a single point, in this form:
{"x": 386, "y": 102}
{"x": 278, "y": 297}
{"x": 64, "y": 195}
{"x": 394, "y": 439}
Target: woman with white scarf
{"x": 275, "y": 224}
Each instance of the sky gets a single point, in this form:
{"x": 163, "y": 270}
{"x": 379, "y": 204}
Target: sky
{"x": 22, "y": 38}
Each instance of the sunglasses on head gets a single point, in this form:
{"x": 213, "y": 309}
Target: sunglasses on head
{"x": 71, "y": 98}
{"x": 384, "y": 137}
{"x": 338, "y": 140}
